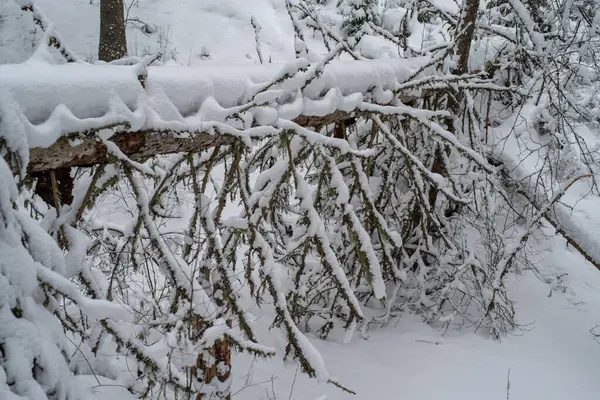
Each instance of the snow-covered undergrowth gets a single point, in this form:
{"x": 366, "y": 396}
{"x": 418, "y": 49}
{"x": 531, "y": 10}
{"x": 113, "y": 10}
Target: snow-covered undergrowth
{"x": 382, "y": 165}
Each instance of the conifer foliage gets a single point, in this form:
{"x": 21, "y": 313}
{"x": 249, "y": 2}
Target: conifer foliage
{"x": 339, "y": 195}
{"x": 359, "y": 18}
{"x": 39, "y": 304}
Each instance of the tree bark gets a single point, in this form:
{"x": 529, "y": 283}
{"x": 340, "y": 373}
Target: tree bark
{"x": 113, "y": 41}
{"x": 112, "y": 46}
{"x": 464, "y": 37}
{"x": 141, "y": 145}
{"x": 465, "y": 31}
{"x": 64, "y": 187}
{"x": 217, "y": 368}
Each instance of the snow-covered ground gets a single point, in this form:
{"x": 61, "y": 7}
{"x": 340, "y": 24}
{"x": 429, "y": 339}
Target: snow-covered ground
{"x": 554, "y": 356}
{"x": 214, "y": 31}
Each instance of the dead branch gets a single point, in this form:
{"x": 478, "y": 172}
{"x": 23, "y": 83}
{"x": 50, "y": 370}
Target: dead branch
{"x": 554, "y": 220}
{"x": 142, "y": 145}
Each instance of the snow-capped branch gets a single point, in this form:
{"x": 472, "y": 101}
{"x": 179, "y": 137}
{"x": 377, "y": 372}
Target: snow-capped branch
{"x": 80, "y": 102}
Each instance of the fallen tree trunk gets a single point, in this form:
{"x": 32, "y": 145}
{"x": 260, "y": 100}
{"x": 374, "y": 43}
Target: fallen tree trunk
{"x": 558, "y": 218}
{"x": 565, "y": 227}
{"x": 141, "y": 145}
{"x": 60, "y": 109}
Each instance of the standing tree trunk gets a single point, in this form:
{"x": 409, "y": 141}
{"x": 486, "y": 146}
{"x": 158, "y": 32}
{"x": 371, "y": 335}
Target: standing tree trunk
{"x": 113, "y": 42}
{"x": 464, "y": 35}
{"x": 465, "y": 31}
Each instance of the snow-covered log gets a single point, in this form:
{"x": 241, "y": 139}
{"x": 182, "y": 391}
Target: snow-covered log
{"x": 141, "y": 145}
{"x": 64, "y": 111}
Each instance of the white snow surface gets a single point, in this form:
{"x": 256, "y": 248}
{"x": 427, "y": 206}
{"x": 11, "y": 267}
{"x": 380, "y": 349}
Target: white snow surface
{"x": 554, "y": 356}
{"x": 55, "y": 100}
{"x": 197, "y": 32}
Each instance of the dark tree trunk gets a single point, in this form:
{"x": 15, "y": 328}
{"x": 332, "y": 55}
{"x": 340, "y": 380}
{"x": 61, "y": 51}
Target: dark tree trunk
{"x": 113, "y": 45}
{"x": 465, "y": 31}
{"x": 64, "y": 186}
{"x": 141, "y": 145}
{"x": 113, "y": 42}
{"x": 464, "y": 37}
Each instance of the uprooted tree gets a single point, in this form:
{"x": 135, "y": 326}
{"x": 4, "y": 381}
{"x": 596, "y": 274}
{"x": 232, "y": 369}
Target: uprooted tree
{"x": 325, "y": 189}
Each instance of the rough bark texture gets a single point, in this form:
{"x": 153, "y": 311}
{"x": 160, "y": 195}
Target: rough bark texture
{"x": 465, "y": 32}
{"x": 464, "y": 36}
{"x": 113, "y": 41}
{"x": 220, "y": 369}
{"x": 138, "y": 146}
{"x": 142, "y": 145}
{"x": 64, "y": 182}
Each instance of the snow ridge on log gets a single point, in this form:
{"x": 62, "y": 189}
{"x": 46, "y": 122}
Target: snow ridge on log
{"x": 91, "y": 91}
{"x": 179, "y": 108}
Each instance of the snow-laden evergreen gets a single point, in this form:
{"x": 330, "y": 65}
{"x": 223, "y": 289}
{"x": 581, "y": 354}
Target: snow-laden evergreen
{"x": 32, "y": 341}
{"x": 359, "y": 18}
{"x": 38, "y": 302}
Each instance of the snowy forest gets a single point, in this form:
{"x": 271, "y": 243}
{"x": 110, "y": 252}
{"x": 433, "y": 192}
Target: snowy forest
{"x": 299, "y": 199}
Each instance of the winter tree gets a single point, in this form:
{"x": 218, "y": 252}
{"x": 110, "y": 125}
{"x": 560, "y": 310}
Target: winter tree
{"x": 328, "y": 195}
{"x": 359, "y": 18}
{"x": 113, "y": 40}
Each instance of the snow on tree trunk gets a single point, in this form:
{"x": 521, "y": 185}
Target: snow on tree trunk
{"x": 113, "y": 40}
